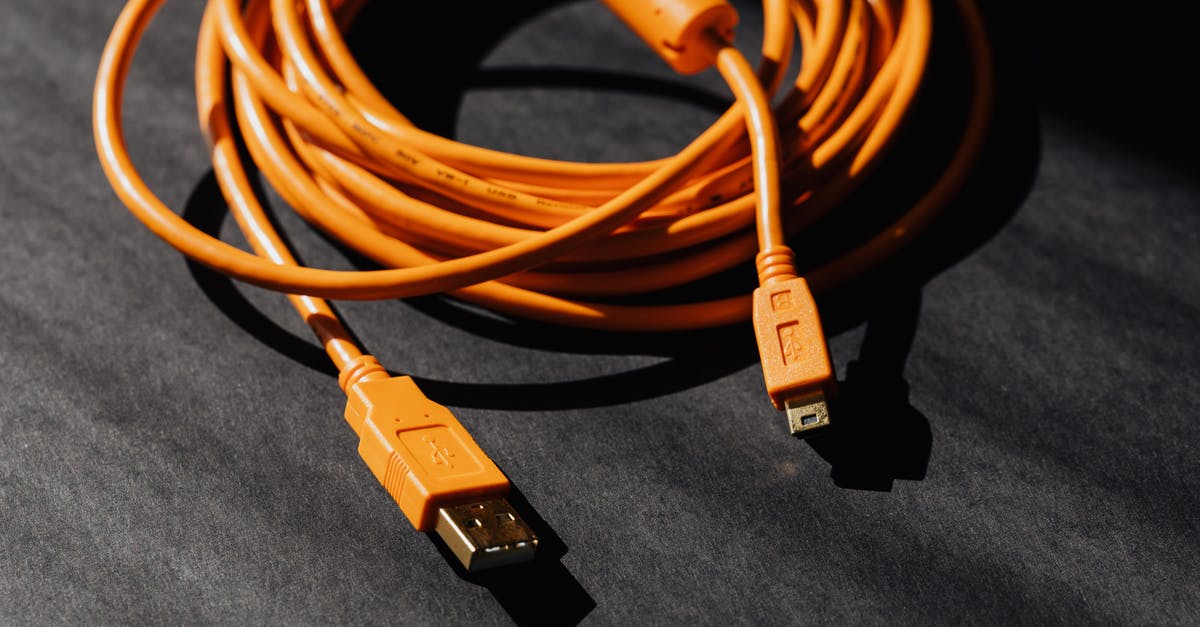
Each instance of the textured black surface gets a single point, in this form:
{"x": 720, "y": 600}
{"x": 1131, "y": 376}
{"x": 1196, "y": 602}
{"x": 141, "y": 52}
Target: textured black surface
{"x": 171, "y": 447}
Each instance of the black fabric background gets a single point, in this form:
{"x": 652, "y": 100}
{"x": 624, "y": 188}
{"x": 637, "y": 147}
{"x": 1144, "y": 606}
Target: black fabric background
{"x": 1017, "y": 437}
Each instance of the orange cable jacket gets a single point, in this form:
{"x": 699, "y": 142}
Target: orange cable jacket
{"x": 529, "y": 236}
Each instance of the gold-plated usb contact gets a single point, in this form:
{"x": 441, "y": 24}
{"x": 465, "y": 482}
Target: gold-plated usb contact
{"x": 486, "y": 534}
{"x": 807, "y": 415}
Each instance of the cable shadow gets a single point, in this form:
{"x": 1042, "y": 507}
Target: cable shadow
{"x": 684, "y": 365}
{"x": 447, "y": 51}
{"x": 206, "y": 210}
{"x": 585, "y": 78}
{"x": 879, "y": 436}
{"x": 689, "y": 360}
{"x": 1078, "y": 63}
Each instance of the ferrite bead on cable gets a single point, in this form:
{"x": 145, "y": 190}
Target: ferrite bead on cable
{"x": 675, "y": 29}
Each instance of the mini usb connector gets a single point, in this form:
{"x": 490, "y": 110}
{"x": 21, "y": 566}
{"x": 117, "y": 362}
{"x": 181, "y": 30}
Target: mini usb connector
{"x": 791, "y": 345}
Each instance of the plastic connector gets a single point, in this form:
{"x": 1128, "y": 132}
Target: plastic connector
{"x": 430, "y": 465}
{"x": 795, "y": 360}
{"x": 676, "y": 29}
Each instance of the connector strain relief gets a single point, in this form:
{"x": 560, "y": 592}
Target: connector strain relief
{"x": 775, "y": 264}
{"x": 361, "y": 368}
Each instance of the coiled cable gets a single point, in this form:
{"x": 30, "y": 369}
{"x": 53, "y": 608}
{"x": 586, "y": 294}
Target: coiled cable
{"x": 537, "y": 238}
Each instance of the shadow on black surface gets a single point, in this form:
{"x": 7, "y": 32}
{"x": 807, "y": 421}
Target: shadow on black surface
{"x": 690, "y": 359}
{"x": 1137, "y": 93}
{"x": 601, "y": 80}
{"x": 879, "y": 436}
{"x": 206, "y": 210}
{"x": 688, "y": 356}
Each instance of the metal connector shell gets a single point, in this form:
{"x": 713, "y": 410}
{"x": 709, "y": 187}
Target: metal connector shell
{"x": 486, "y": 534}
{"x": 807, "y": 415}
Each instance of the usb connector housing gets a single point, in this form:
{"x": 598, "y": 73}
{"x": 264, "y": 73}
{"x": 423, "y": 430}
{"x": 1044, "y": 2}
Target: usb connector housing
{"x": 437, "y": 474}
{"x": 795, "y": 359}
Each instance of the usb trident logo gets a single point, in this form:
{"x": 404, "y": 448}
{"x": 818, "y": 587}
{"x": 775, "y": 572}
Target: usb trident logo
{"x": 789, "y": 342}
{"x": 440, "y": 454}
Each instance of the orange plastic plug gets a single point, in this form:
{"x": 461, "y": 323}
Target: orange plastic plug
{"x": 791, "y": 344}
{"x": 676, "y": 29}
{"x": 434, "y": 470}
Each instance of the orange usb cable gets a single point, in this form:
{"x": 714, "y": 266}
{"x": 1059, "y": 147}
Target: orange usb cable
{"x": 543, "y": 239}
